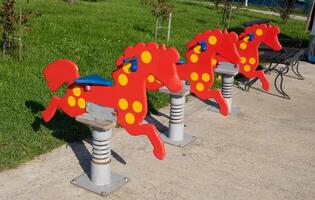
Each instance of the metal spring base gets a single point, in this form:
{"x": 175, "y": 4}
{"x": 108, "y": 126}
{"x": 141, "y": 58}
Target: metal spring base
{"x": 175, "y": 134}
{"x": 227, "y": 85}
{"x": 101, "y": 180}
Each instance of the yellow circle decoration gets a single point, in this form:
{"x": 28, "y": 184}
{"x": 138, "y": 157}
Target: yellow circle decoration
{"x": 126, "y": 68}
{"x": 214, "y": 62}
{"x": 137, "y": 106}
{"x": 252, "y": 60}
{"x": 243, "y": 60}
{"x": 243, "y": 45}
{"x": 205, "y": 77}
{"x": 81, "y": 103}
{"x": 146, "y": 57}
{"x": 200, "y": 87}
{"x": 122, "y": 79}
{"x": 193, "y": 58}
{"x": 151, "y": 78}
{"x": 247, "y": 68}
{"x": 76, "y": 91}
{"x": 212, "y": 40}
{"x": 259, "y": 32}
{"x": 194, "y": 76}
{"x": 71, "y": 101}
{"x": 197, "y": 49}
{"x": 130, "y": 118}
{"x": 246, "y": 39}
{"x": 123, "y": 104}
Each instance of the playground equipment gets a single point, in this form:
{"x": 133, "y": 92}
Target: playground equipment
{"x": 101, "y": 179}
{"x": 228, "y": 72}
{"x": 138, "y": 62}
{"x": 175, "y": 134}
{"x": 248, "y": 45}
{"x": 199, "y": 72}
{"x": 100, "y": 103}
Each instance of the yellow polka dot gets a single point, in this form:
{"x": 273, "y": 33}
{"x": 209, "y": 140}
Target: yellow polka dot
{"x": 212, "y": 40}
{"x": 146, "y": 57}
{"x": 71, "y": 101}
{"x": 246, "y": 39}
{"x": 205, "y": 77}
{"x": 214, "y": 62}
{"x": 122, "y": 79}
{"x": 76, "y": 91}
{"x": 137, "y": 106}
{"x": 194, "y": 76}
{"x": 130, "y": 118}
{"x": 81, "y": 103}
{"x": 200, "y": 87}
{"x": 126, "y": 68}
{"x": 252, "y": 60}
{"x": 194, "y": 58}
{"x": 151, "y": 78}
{"x": 197, "y": 49}
{"x": 123, "y": 104}
{"x": 259, "y": 32}
{"x": 243, "y": 45}
{"x": 243, "y": 60}
{"x": 246, "y": 68}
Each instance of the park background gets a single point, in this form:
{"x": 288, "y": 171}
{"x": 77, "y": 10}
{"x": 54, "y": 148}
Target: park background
{"x": 92, "y": 34}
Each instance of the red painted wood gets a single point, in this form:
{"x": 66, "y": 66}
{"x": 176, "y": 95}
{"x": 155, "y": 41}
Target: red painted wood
{"x": 199, "y": 69}
{"x": 248, "y": 50}
{"x": 127, "y": 96}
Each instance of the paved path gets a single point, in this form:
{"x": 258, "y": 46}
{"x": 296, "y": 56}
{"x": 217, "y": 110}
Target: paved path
{"x": 265, "y": 152}
{"x": 266, "y": 12}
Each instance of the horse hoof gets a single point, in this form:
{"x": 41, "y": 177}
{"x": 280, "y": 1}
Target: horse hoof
{"x": 45, "y": 115}
{"x": 159, "y": 154}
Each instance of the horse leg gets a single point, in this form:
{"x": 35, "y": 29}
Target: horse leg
{"x": 264, "y": 81}
{"x": 217, "y": 95}
{"x": 51, "y": 109}
{"x": 150, "y": 131}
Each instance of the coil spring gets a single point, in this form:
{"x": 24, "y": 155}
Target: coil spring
{"x": 177, "y": 113}
{"x": 101, "y": 152}
{"x": 227, "y": 89}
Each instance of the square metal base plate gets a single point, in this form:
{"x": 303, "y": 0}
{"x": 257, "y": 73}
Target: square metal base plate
{"x": 234, "y": 110}
{"x": 187, "y": 139}
{"x": 103, "y": 190}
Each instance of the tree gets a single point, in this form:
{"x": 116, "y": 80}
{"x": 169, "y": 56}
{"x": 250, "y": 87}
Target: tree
{"x": 160, "y": 9}
{"x": 8, "y": 18}
{"x": 285, "y": 8}
{"x": 226, "y": 8}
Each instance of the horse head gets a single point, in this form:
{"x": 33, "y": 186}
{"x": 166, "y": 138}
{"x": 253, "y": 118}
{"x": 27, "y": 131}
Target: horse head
{"x": 212, "y": 43}
{"x": 152, "y": 62}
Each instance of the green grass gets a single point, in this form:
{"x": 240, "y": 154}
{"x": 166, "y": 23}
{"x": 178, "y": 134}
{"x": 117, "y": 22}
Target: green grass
{"x": 93, "y": 34}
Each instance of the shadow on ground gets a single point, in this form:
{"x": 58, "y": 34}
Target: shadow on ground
{"x": 69, "y": 130}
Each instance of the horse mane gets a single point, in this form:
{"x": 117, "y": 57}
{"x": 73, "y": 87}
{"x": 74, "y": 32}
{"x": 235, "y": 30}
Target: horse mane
{"x": 253, "y": 28}
{"x": 156, "y": 51}
{"x": 203, "y": 36}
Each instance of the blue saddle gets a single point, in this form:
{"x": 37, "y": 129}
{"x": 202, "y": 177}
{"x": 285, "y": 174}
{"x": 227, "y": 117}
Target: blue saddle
{"x": 93, "y": 79}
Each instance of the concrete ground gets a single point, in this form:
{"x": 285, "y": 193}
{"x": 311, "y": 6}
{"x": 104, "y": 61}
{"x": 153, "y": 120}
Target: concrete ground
{"x": 266, "y": 151}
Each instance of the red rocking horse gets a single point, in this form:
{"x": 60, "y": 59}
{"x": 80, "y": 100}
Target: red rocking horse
{"x": 127, "y": 96}
{"x": 248, "y": 46}
{"x": 201, "y": 61}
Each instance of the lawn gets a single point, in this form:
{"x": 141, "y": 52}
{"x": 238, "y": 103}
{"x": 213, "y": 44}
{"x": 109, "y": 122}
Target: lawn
{"x": 93, "y": 34}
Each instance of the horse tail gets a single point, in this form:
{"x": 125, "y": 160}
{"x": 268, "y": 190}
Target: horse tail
{"x": 59, "y": 72}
